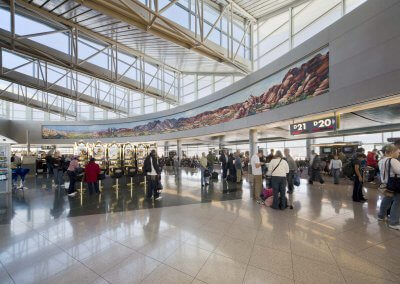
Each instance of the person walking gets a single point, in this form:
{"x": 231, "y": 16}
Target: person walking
{"x": 292, "y": 170}
{"x": 71, "y": 171}
{"x": 92, "y": 171}
{"x": 278, "y": 170}
{"x": 176, "y": 165}
{"x": 152, "y": 170}
{"x": 205, "y": 174}
{"x": 256, "y": 169}
{"x": 224, "y": 164}
{"x": 231, "y": 168}
{"x": 210, "y": 161}
{"x": 238, "y": 167}
{"x": 358, "y": 178}
{"x": 315, "y": 166}
{"x": 389, "y": 166}
{"x": 335, "y": 166}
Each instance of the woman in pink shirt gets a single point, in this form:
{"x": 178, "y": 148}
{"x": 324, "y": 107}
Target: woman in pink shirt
{"x": 73, "y": 165}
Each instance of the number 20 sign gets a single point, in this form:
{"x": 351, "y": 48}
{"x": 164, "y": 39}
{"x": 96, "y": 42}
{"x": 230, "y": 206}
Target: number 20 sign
{"x": 318, "y": 125}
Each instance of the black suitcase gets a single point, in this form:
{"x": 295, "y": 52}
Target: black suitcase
{"x": 231, "y": 178}
{"x": 214, "y": 176}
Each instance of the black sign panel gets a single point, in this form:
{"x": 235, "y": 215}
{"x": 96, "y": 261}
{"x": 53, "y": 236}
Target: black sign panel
{"x": 318, "y": 125}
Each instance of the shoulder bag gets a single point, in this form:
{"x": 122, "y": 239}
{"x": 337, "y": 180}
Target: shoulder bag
{"x": 393, "y": 183}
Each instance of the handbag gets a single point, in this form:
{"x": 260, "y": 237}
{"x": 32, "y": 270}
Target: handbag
{"x": 296, "y": 179}
{"x": 159, "y": 184}
{"x": 393, "y": 183}
{"x": 206, "y": 173}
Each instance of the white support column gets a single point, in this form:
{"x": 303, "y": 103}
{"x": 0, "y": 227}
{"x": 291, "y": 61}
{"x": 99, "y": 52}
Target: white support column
{"x": 179, "y": 150}
{"x": 253, "y": 142}
{"x": 309, "y": 148}
{"x": 166, "y": 148}
{"x": 290, "y": 28}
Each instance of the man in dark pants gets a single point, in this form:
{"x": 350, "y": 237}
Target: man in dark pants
{"x": 292, "y": 170}
{"x": 152, "y": 170}
{"x": 316, "y": 170}
{"x": 224, "y": 164}
{"x": 358, "y": 179}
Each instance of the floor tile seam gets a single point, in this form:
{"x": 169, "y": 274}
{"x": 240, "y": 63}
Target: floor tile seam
{"x": 166, "y": 264}
{"x": 113, "y": 265}
{"x": 202, "y": 266}
{"x": 378, "y": 242}
{"x": 336, "y": 262}
{"x": 379, "y": 265}
{"x": 154, "y": 269}
{"x": 6, "y": 270}
{"x": 366, "y": 260}
{"x": 70, "y": 255}
{"x": 291, "y": 251}
{"x": 359, "y": 227}
{"x": 251, "y": 252}
{"x": 272, "y": 272}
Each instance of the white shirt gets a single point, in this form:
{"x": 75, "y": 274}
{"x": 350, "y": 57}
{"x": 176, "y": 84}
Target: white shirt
{"x": 335, "y": 164}
{"x": 384, "y": 166}
{"x": 255, "y": 160}
{"x": 153, "y": 171}
{"x": 281, "y": 171}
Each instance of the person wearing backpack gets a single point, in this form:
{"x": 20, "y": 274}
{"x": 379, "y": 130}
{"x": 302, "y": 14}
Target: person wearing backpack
{"x": 316, "y": 170}
{"x": 358, "y": 178}
{"x": 278, "y": 169}
{"x": 389, "y": 167}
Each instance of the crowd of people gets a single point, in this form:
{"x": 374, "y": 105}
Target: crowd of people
{"x": 278, "y": 170}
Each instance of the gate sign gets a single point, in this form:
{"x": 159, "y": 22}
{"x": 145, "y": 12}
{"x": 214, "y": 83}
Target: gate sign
{"x": 314, "y": 126}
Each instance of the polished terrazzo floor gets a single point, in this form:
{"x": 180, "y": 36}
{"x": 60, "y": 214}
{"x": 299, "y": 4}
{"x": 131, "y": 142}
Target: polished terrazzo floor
{"x": 326, "y": 238}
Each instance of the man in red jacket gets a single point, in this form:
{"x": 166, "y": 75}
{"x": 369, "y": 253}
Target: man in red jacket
{"x": 92, "y": 171}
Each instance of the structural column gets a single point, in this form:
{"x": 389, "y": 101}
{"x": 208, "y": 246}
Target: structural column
{"x": 309, "y": 148}
{"x": 166, "y": 150}
{"x": 252, "y": 142}
{"x": 252, "y": 145}
{"x": 179, "y": 150}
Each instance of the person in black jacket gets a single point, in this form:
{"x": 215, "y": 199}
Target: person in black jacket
{"x": 231, "y": 167}
{"x": 224, "y": 164}
{"x": 153, "y": 172}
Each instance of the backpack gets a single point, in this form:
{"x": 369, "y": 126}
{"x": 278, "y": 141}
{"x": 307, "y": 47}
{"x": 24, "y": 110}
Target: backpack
{"x": 348, "y": 169}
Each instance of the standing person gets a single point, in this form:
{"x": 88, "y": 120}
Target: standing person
{"x": 203, "y": 169}
{"x": 257, "y": 175}
{"x": 231, "y": 168}
{"x": 315, "y": 167}
{"x": 152, "y": 170}
{"x": 292, "y": 170}
{"x": 391, "y": 199}
{"x": 210, "y": 162}
{"x": 224, "y": 163}
{"x": 335, "y": 166}
{"x": 176, "y": 165}
{"x": 49, "y": 163}
{"x": 238, "y": 167}
{"x": 358, "y": 178}
{"x": 73, "y": 165}
{"x": 278, "y": 170}
{"x": 92, "y": 171}
{"x": 269, "y": 158}
{"x": 57, "y": 168}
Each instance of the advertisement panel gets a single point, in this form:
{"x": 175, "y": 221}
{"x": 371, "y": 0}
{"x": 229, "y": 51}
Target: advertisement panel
{"x": 303, "y": 80}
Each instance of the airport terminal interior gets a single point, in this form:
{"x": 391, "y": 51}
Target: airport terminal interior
{"x": 199, "y": 141}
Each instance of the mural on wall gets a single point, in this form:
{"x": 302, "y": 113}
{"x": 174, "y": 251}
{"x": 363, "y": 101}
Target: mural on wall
{"x": 305, "y": 79}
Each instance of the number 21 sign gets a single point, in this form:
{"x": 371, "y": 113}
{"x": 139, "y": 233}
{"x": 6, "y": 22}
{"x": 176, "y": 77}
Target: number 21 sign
{"x": 318, "y": 125}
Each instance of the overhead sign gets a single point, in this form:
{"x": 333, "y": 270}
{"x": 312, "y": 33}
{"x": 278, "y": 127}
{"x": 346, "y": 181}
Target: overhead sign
{"x": 314, "y": 126}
